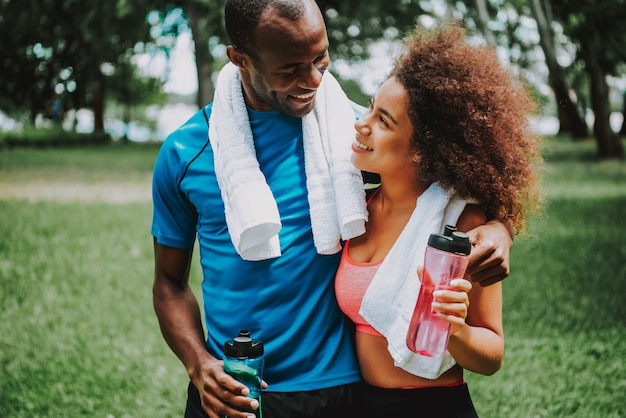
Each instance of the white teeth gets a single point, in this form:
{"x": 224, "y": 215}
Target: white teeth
{"x": 362, "y": 146}
{"x": 304, "y": 96}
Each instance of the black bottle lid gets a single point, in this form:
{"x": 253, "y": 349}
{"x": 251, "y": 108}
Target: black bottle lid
{"x": 451, "y": 241}
{"x": 243, "y": 346}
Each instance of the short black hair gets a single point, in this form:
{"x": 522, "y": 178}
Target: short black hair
{"x": 242, "y": 17}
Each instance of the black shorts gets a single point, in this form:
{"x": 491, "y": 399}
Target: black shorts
{"x": 335, "y": 402}
{"x": 430, "y": 402}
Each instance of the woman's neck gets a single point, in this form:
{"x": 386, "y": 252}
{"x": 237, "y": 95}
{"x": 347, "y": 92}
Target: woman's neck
{"x": 398, "y": 195}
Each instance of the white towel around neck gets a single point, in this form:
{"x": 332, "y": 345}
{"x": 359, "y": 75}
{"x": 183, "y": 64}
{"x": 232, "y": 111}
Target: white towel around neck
{"x": 390, "y": 298}
{"x": 335, "y": 188}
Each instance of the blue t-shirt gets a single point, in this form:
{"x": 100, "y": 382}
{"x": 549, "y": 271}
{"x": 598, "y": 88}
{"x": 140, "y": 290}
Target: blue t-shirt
{"x": 287, "y": 302}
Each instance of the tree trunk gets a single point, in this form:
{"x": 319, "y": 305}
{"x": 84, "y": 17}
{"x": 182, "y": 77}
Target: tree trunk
{"x": 204, "y": 67}
{"x": 98, "y": 102}
{"x": 483, "y": 22}
{"x": 125, "y": 87}
{"x": 609, "y": 145}
{"x": 198, "y": 14}
{"x": 96, "y": 73}
{"x": 570, "y": 119}
{"x": 623, "y": 130}
{"x": 34, "y": 110}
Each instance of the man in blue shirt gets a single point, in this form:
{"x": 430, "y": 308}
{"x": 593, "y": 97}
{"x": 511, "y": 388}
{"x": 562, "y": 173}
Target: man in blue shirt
{"x": 281, "y": 50}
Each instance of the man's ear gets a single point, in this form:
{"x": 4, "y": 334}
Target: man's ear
{"x": 239, "y": 58}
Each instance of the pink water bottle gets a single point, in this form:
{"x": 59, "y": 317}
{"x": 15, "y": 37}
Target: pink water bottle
{"x": 446, "y": 258}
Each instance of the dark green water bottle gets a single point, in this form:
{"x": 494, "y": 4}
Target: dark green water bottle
{"x": 243, "y": 360}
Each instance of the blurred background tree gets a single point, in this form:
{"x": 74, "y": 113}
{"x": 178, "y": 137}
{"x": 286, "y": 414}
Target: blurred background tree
{"x": 126, "y": 87}
{"x": 571, "y": 52}
{"x": 597, "y": 29}
{"x": 68, "y": 48}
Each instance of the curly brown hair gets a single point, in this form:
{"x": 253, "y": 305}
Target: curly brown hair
{"x": 470, "y": 117}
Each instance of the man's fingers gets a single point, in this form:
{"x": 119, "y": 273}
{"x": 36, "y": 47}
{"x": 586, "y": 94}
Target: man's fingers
{"x": 488, "y": 277}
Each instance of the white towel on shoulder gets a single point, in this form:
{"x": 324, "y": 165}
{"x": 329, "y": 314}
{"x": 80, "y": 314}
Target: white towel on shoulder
{"x": 390, "y": 299}
{"x": 335, "y": 188}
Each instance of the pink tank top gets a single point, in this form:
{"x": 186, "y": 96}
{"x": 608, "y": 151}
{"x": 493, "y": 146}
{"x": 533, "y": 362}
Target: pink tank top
{"x": 352, "y": 280}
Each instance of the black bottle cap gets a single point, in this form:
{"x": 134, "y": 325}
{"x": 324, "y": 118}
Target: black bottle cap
{"x": 451, "y": 241}
{"x": 243, "y": 346}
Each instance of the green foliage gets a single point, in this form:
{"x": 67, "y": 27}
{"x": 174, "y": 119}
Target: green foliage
{"x": 582, "y": 19}
{"x": 353, "y": 25}
{"x": 52, "y": 45}
{"x": 79, "y": 337}
{"x": 127, "y": 87}
{"x": 354, "y": 92}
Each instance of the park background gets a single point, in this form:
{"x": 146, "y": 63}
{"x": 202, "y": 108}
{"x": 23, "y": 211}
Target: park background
{"x": 78, "y": 335}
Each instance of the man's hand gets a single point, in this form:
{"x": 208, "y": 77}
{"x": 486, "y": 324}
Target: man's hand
{"x": 220, "y": 394}
{"x": 489, "y": 258}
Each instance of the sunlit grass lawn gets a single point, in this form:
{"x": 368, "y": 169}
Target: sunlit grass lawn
{"x": 564, "y": 305}
{"x": 78, "y": 335}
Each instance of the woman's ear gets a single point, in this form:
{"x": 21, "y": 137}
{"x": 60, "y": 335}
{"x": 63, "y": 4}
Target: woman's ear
{"x": 417, "y": 157}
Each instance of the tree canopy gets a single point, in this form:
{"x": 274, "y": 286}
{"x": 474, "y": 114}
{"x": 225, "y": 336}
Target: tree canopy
{"x": 65, "y": 47}
{"x": 80, "y": 49}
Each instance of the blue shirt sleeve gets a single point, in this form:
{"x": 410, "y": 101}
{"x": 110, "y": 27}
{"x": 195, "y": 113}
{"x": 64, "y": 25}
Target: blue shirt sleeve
{"x": 174, "y": 218}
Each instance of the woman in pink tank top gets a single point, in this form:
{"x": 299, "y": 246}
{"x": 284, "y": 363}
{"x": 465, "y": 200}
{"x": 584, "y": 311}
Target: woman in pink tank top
{"x": 449, "y": 113}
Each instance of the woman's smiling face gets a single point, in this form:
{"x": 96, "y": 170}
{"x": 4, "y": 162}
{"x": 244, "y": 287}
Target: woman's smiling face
{"x": 384, "y": 131}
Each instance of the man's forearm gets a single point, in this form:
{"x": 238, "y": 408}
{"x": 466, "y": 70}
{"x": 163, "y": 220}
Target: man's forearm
{"x": 179, "y": 319}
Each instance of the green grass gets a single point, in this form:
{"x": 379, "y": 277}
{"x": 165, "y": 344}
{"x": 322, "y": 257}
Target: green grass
{"x": 564, "y": 311}
{"x": 50, "y": 137}
{"x": 98, "y": 163}
{"x": 78, "y": 335}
